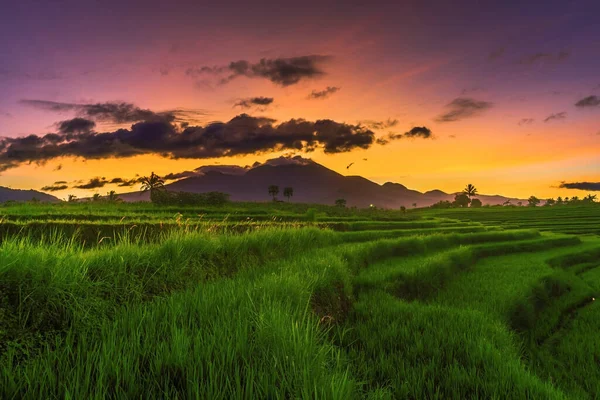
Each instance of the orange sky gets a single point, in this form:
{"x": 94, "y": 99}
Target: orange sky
{"x": 409, "y": 73}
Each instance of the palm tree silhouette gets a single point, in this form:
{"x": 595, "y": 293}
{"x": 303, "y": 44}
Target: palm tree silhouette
{"x": 288, "y": 192}
{"x": 470, "y": 190}
{"x": 273, "y": 191}
{"x": 72, "y": 198}
{"x": 112, "y": 196}
{"x": 152, "y": 183}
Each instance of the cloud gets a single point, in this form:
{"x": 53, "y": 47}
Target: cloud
{"x": 590, "y": 101}
{"x": 93, "y": 183}
{"x": 526, "y": 121}
{"x": 76, "y": 125}
{"x": 536, "y": 58}
{"x": 464, "y": 107}
{"x": 113, "y": 112}
{"x": 557, "y": 116}
{"x": 389, "y": 123}
{"x": 281, "y": 71}
{"x": 54, "y": 188}
{"x": 123, "y": 182}
{"x": 254, "y": 101}
{"x": 5, "y": 114}
{"x": 416, "y": 132}
{"x": 323, "y": 94}
{"x": 592, "y": 186}
{"x": 242, "y": 135}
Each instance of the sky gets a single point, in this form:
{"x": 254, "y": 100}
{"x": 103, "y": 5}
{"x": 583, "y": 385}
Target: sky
{"x": 433, "y": 95}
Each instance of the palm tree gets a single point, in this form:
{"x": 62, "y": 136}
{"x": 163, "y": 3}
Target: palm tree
{"x": 71, "y": 198}
{"x": 96, "y": 197}
{"x": 273, "y": 191}
{"x": 152, "y": 183}
{"x": 470, "y": 190}
{"x": 288, "y": 192}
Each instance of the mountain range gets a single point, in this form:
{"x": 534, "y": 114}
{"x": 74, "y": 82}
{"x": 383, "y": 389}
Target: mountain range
{"x": 312, "y": 183}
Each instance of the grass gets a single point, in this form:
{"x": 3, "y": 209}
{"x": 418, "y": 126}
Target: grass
{"x": 259, "y": 301}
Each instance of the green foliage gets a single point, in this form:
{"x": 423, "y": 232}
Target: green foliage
{"x": 476, "y": 203}
{"x": 437, "y": 303}
{"x": 170, "y": 198}
{"x": 461, "y": 200}
{"x": 533, "y": 201}
{"x": 340, "y": 203}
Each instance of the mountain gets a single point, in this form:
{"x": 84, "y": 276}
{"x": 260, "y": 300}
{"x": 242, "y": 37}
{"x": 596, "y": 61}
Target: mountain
{"x": 7, "y": 194}
{"x": 312, "y": 183}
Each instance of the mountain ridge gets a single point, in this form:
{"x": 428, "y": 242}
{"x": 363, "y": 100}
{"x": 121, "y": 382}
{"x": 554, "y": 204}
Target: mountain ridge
{"x": 312, "y": 183}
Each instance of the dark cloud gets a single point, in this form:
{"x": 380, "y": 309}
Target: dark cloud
{"x": 389, "y": 123}
{"x": 281, "y": 71}
{"x": 496, "y": 54}
{"x": 254, "y": 101}
{"x": 464, "y": 107}
{"x": 557, "y": 116}
{"x": 123, "y": 182}
{"x": 58, "y": 167}
{"x": 536, "y": 58}
{"x": 526, "y": 121}
{"x": 590, "y": 101}
{"x": 93, "y": 183}
{"x": 113, "y": 112}
{"x": 54, "y": 188}
{"x": 60, "y": 182}
{"x": 242, "y": 135}
{"x": 416, "y": 132}
{"x": 76, "y": 125}
{"x": 592, "y": 186}
{"x": 323, "y": 94}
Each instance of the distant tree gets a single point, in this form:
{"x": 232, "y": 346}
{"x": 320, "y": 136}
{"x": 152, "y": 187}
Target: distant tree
{"x": 533, "y": 201}
{"x": 288, "y": 192}
{"x": 506, "y": 203}
{"x": 152, "y": 184}
{"x": 566, "y": 200}
{"x": 340, "y": 203}
{"x": 96, "y": 197}
{"x": 414, "y": 205}
{"x": 461, "y": 200}
{"x": 520, "y": 203}
{"x": 476, "y": 203}
{"x": 34, "y": 200}
{"x": 273, "y": 191}
{"x": 550, "y": 202}
{"x": 112, "y": 196}
{"x": 470, "y": 190}
{"x": 72, "y": 198}
{"x": 559, "y": 201}
{"x": 403, "y": 209}
{"x": 590, "y": 198}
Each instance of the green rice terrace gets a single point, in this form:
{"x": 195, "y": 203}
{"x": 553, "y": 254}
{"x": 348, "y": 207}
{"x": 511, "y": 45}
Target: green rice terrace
{"x": 268, "y": 301}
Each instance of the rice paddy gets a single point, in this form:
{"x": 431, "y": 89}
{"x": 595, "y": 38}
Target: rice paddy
{"x": 298, "y": 301}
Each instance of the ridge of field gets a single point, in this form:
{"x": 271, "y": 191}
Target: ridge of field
{"x": 373, "y": 306}
{"x": 567, "y": 219}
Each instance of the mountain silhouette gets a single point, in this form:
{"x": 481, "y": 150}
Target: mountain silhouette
{"x": 312, "y": 183}
{"x": 8, "y": 194}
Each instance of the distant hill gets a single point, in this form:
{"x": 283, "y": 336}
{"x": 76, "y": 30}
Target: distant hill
{"x": 312, "y": 183}
{"x": 7, "y": 194}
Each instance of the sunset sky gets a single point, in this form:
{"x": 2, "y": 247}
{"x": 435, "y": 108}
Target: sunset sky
{"x": 434, "y": 95}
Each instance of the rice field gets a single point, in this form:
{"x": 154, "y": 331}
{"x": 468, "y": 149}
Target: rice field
{"x": 298, "y": 301}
